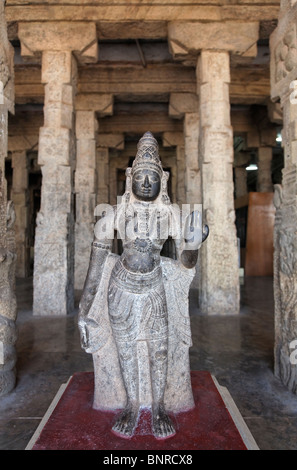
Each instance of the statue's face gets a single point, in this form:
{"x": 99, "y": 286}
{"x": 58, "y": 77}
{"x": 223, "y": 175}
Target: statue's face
{"x": 146, "y": 184}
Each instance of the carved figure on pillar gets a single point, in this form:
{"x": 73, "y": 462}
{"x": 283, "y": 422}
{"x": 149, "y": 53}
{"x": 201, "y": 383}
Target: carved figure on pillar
{"x": 283, "y": 42}
{"x": 133, "y": 313}
{"x": 8, "y": 305}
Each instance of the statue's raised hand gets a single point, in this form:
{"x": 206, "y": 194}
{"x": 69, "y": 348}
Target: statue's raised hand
{"x": 193, "y": 231}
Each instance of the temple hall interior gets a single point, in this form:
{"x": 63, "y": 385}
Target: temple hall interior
{"x": 215, "y": 82}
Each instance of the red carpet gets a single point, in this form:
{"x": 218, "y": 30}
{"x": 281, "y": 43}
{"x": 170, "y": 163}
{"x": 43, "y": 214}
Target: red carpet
{"x": 74, "y": 425}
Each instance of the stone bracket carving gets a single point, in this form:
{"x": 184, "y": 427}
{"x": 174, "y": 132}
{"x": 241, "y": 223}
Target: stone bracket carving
{"x": 79, "y": 37}
{"x": 188, "y": 38}
{"x": 283, "y": 47}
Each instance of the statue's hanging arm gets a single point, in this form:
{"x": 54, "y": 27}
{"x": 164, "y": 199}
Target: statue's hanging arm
{"x": 101, "y": 247}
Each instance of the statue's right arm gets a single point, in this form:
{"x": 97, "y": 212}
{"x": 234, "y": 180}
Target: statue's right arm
{"x": 101, "y": 248}
{"x": 99, "y": 253}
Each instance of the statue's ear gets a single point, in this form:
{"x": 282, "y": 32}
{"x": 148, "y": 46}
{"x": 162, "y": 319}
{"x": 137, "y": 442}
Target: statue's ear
{"x": 165, "y": 178}
{"x": 128, "y": 180}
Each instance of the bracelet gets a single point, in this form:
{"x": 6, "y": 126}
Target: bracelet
{"x": 102, "y": 246}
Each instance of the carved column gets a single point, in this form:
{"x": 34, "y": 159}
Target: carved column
{"x": 102, "y": 160}
{"x": 19, "y": 196}
{"x": 192, "y": 175}
{"x": 86, "y": 177}
{"x": 177, "y": 140}
{"x": 240, "y": 182}
{"x": 264, "y": 182}
{"x": 107, "y": 192}
{"x": 85, "y": 192}
{"x": 185, "y": 106}
{"x": 54, "y": 238}
{"x": 180, "y": 170}
{"x": 219, "y": 289}
{"x": 283, "y": 44}
{"x": 8, "y": 306}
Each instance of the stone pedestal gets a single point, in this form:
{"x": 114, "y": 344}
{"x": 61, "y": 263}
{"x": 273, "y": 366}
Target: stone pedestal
{"x": 8, "y": 306}
{"x": 219, "y": 288}
{"x": 213, "y": 424}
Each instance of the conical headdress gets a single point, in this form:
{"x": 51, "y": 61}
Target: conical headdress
{"x": 147, "y": 154}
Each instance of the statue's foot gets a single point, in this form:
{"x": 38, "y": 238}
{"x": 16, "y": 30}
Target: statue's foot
{"x": 126, "y": 422}
{"x": 161, "y": 423}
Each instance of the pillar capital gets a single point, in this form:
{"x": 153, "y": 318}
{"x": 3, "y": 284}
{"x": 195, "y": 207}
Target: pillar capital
{"x": 189, "y": 38}
{"x": 181, "y": 103}
{"x": 77, "y": 37}
{"x": 6, "y": 69}
{"x": 283, "y": 44}
{"x": 173, "y": 139}
{"x": 21, "y": 143}
{"x": 101, "y": 103}
{"x": 115, "y": 141}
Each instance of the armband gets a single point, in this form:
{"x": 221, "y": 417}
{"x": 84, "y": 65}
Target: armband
{"x": 102, "y": 246}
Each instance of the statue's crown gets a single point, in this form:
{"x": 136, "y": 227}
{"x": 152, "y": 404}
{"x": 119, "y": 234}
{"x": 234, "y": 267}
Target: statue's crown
{"x": 147, "y": 154}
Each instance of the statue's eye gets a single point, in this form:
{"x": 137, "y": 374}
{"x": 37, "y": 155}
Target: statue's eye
{"x": 138, "y": 178}
{"x": 153, "y": 178}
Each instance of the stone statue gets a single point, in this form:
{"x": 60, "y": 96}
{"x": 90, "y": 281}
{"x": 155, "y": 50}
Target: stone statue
{"x": 133, "y": 314}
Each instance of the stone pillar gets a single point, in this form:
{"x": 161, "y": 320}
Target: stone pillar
{"x": 8, "y": 306}
{"x": 180, "y": 170}
{"x": 192, "y": 173}
{"x": 85, "y": 192}
{"x": 106, "y": 175}
{"x": 177, "y": 140}
{"x": 264, "y": 182}
{"x": 20, "y": 199}
{"x": 283, "y": 45}
{"x": 54, "y": 238}
{"x": 240, "y": 182}
{"x": 184, "y": 106}
{"x": 88, "y": 106}
{"x": 102, "y": 161}
{"x": 219, "y": 289}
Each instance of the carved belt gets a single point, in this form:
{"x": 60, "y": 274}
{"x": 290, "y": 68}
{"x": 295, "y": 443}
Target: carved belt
{"x": 136, "y": 283}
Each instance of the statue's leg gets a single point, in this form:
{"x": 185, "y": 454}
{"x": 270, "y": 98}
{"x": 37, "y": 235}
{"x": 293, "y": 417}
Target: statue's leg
{"x": 161, "y": 423}
{"x": 127, "y": 420}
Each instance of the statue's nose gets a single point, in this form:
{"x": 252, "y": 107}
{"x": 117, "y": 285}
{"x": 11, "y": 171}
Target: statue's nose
{"x": 146, "y": 183}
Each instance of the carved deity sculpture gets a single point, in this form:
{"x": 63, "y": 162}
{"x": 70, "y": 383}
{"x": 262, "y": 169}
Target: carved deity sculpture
{"x": 133, "y": 314}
